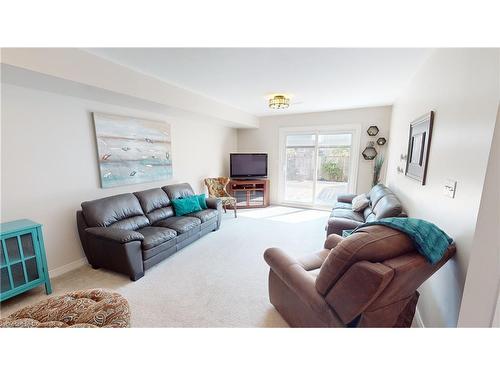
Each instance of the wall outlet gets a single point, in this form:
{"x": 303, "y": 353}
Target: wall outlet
{"x": 450, "y": 187}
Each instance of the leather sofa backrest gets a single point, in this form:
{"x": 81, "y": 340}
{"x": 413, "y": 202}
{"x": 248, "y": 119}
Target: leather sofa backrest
{"x": 377, "y": 192}
{"x": 155, "y": 204}
{"x": 387, "y": 206}
{"x": 119, "y": 211}
{"x": 178, "y": 191}
{"x": 374, "y": 244}
{"x": 368, "y": 214}
{"x": 383, "y": 203}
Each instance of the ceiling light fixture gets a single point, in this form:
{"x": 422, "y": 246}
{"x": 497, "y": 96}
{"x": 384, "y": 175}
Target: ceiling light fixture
{"x": 279, "y": 102}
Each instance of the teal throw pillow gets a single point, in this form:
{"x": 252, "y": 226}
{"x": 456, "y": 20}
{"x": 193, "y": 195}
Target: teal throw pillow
{"x": 186, "y": 205}
{"x": 202, "y": 199}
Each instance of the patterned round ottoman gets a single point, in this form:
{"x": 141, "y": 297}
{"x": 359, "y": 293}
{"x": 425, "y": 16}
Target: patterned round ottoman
{"x": 84, "y": 308}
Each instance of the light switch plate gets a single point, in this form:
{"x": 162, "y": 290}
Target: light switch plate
{"x": 450, "y": 187}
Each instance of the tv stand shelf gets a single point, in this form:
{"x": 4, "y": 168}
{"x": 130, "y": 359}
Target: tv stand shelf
{"x": 250, "y": 193}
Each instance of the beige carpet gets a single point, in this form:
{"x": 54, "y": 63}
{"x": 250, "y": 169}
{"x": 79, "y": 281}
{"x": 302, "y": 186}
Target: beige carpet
{"x": 218, "y": 281}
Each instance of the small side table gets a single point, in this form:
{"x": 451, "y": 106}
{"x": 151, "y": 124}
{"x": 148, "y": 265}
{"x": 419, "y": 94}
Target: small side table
{"x": 23, "y": 264}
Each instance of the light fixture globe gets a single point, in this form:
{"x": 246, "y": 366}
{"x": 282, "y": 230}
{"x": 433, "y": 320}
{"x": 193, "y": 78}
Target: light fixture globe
{"x": 279, "y": 102}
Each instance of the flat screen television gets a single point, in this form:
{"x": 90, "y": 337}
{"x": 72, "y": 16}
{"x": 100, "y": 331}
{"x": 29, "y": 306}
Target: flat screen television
{"x": 246, "y": 166}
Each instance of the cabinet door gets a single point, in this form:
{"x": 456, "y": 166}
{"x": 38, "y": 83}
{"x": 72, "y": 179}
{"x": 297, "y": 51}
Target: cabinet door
{"x": 20, "y": 262}
{"x": 5, "y": 277}
{"x": 31, "y": 252}
{"x": 5, "y": 284}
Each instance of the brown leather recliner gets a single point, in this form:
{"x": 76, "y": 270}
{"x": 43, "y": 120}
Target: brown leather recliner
{"x": 368, "y": 279}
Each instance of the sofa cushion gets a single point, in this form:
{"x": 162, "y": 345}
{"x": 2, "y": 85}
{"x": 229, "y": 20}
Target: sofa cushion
{"x": 347, "y": 206}
{"x": 178, "y": 191}
{"x": 154, "y": 236}
{"x": 348, "y": 214}
{"x": 204, "y": 215}
{"x": 360, "y": 202}
{"x": 377, "y": 192}
{"x": 388, "y": 206}
{"x": 105, "y": 212}
{"x": 131, "y": 223}
{"x": 370, "y": 217}
{"x": 180, "y": 224}
{"x": 166, "y": 249}
{"x": 160, "y": 214}
{"x": 155, "y": 204}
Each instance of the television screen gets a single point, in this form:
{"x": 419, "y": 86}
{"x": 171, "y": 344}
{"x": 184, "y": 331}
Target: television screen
{"x": 248, "y": 165}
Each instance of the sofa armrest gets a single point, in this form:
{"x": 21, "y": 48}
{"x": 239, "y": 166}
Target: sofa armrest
{"x": 214, "y": 203}
{"x": 337, "y": 224}
{"x": 345, "y": 198}
{"x": 291, "y": 272}
{"x": 115, "y": 234}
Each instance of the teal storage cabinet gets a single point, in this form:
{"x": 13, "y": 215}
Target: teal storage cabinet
{"x": 23, "y": 264}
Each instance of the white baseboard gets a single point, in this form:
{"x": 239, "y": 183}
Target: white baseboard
{"x": 67, "y": 268}
{"x": 418, "y": 319}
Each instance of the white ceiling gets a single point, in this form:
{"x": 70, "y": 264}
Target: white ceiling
{"x": 316, "y": 79}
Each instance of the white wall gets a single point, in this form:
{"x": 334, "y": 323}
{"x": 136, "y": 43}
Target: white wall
{"x": 266, "y": 137}
{"x": 481, "y": 290}
{"x": 461, "y": 86}
{"x": 49, "y": 161}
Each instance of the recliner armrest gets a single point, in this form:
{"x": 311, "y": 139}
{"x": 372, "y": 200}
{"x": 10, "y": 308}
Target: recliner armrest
{"x": 115, "y": 234}
{"x": 279, "y": 261}
{"x": 291, "y": 272}
{"x": 362, "y": 283}
{"x": 345, "y": 198}
{"x": 214, "y": 203}
{"x": 332, "y": 240}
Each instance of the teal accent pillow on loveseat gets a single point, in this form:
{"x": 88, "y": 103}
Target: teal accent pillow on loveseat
{"x": 202, "y": 199}
{"x": 186, "y": 205}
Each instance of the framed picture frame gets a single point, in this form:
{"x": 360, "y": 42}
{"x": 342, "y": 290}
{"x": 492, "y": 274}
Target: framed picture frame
{"x": 418, "y": 147}
{"x": 132, "y": 150}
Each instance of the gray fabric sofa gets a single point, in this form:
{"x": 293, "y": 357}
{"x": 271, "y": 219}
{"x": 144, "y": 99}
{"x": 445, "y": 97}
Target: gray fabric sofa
{"x": 383, "y": 203}
{"x": 129, "y": 233}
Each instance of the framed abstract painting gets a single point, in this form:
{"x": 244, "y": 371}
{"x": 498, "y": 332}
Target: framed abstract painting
{"x": 132, "y": 150}
{"x": 418, "y": 147}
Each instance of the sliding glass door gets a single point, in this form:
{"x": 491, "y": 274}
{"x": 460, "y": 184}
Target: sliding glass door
{"x": 317, "y": 166}
{"x": 300, "y": 167}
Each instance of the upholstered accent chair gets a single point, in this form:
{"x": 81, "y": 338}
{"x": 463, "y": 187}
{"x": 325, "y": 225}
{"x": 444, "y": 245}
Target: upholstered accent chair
{"x": 94, "y": 308}
{"x": 217, "y": 189}
{"x": 368, "y": 279}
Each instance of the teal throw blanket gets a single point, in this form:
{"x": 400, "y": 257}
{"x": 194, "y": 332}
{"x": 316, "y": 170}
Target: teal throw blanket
{"x": 429, "y": 240}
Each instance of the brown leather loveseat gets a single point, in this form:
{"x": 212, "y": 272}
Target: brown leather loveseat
{"x": 383, "y": 203}
{"x": 368, "y": 279}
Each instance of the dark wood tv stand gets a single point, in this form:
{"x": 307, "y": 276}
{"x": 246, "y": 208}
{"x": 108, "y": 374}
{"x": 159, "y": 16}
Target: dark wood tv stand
{"x": 249, "y": 193}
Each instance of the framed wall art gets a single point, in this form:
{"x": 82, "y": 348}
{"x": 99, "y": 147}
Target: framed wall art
{"x": 132, "y": 150}
{"x": 418, "y": 147}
